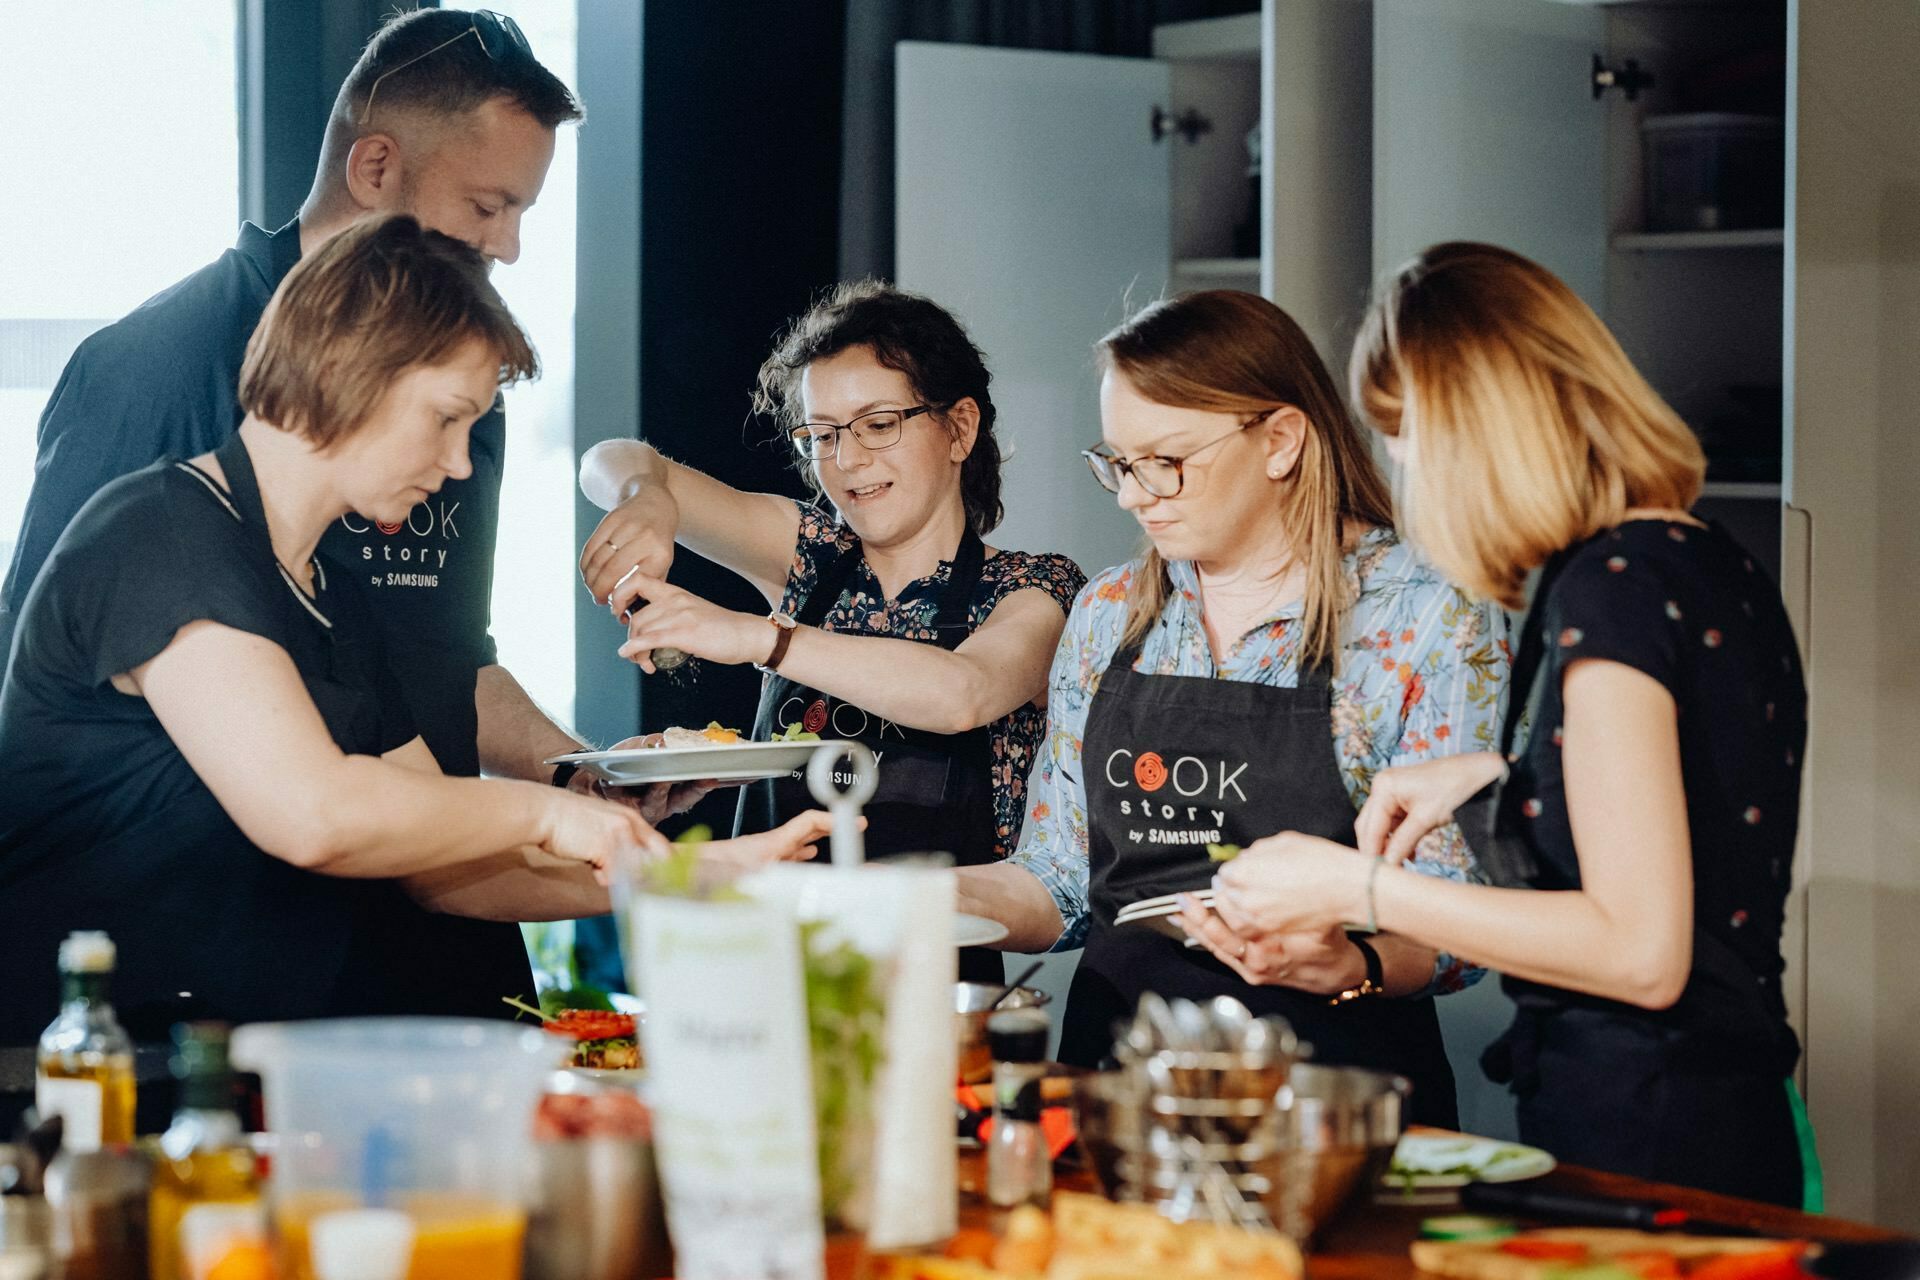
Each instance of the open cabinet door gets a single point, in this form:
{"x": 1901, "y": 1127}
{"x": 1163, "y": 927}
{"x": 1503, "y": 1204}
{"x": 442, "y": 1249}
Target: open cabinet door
{"x": 1033, "y": 202}
{"x": 1485, "y": 128}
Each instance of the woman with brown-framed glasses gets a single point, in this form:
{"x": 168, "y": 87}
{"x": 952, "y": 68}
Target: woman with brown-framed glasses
{"x": 1273, "y": 648}
{"x": 893, "y": 623}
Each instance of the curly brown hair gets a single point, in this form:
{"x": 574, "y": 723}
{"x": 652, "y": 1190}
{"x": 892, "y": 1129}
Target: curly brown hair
{"x": 908, "y": 333}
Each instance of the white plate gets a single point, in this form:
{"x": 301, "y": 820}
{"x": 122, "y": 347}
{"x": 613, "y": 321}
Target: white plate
{"x": 732, "y": 762}
{"x": 976, "y": 931}
{"x": 1419, "y": 1156}
{"x": 1137, "y": 911}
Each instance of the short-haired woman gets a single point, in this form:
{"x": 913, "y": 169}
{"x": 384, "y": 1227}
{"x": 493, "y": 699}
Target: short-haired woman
{"x": 204, "y": 752}
{"x": 1652, "y": 787}
{"x": 894, "y": 623}
{"x": 1274, "y": 649}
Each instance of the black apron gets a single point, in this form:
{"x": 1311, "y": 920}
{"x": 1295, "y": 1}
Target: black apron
{"x": 935, "y": 790}
{"x": 1601, "y": 1084}
{"x": 1172, "y": 763}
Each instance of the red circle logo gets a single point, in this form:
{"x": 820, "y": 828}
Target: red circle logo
{"x": 389, "y": 529}
{"x": 1150, "y": 771}
{"x": 816, "y": 717}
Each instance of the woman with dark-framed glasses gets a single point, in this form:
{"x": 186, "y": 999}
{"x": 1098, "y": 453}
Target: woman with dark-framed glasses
{"x": 1272, "y": 650}
{"x": 893, "y": 623}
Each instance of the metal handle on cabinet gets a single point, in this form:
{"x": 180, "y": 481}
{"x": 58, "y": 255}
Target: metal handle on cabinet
{"x": 1628, "y": 78}
{"x": 1189, "y": 124}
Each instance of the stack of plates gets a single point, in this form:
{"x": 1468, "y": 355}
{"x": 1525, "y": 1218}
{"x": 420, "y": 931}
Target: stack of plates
{"x": 1159, "y": 914}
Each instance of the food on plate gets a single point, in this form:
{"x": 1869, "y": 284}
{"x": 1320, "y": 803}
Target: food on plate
{"x": 1595, "y": 1253}
{"x": 604, "y": 1038}
{"x": 1088, "y": 1238}
{"x": 1222, "y": 852}
{"x": 796, "y": 732}
{"x": 714, "y": 735}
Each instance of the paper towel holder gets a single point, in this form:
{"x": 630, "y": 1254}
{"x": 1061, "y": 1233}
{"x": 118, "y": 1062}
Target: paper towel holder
{"x": 848, "y": 845}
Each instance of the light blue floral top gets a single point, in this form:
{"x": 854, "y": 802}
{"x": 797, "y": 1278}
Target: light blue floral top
{"x": 1422, "y": 673}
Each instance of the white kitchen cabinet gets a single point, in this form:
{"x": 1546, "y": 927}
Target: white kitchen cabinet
{"x": 1476, "y": 120}
{"x": 1036, "y": 197}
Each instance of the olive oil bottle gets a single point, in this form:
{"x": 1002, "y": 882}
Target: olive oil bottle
{"x": 85, "y": 1064}
{"x": 205, "y": 1216}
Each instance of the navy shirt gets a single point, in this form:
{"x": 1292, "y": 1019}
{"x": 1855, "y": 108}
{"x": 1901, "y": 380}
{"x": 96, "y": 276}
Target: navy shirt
{"x": 163, "y": 382}
{"x": 1688, "y": 607}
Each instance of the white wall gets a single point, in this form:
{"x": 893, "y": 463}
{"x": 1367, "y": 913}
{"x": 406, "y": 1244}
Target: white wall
{"x": 1853, "y": 347}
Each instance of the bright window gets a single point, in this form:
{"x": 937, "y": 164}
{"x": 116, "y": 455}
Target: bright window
{"x": 534, "y": 575}
{"x": 118, "y": 190}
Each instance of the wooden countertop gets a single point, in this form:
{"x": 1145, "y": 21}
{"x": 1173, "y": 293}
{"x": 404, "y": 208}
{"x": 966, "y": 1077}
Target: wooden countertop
{"x": 1370, "y": 1239}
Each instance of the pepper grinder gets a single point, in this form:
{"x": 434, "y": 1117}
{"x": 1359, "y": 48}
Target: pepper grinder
{"x": 848, "y": 845}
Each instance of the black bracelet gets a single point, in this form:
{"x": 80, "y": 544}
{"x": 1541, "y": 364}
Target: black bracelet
{"x": 563, "y": 772}
{"x": 1375, "y": 982}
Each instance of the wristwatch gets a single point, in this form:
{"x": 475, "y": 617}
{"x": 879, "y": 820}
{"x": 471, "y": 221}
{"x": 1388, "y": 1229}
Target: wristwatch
{"x": 1374, "y": 984}
{"x": 563, "y": 772}
{"x": 784, "y": 625}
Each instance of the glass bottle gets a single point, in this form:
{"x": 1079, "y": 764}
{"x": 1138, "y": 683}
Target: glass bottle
{"x": 84, "y": 1070}
{"x": 1019, "y": 1164}
{"x": 205, "y": 1215}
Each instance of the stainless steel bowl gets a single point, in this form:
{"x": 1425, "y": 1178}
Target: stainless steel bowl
{"x": 1109, "y": 1113}
{"x": 1335, "y": 1131}
{"x": 971, "y": 1001}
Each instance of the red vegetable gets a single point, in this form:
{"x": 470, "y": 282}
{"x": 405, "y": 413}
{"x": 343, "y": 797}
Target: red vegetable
{"x": 1781, "y": 1262}
{"x": 1546, "y": 1250}
{"x": 590, "y": 1024}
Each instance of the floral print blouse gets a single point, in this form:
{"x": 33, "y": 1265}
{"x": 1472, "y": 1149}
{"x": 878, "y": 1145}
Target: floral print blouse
{"x": 864, "y": 609}
{"x": 1422, "y": 673}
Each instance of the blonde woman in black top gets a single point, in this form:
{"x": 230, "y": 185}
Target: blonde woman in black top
{"x": 1648, "y": 773}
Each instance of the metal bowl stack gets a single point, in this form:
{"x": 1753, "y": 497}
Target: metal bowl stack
{"x": 1214, "y": 1116}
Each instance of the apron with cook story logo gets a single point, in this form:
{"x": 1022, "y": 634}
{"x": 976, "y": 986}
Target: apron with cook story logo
{"x": 1171, "y": 764}
{"x": 935, "y": 790}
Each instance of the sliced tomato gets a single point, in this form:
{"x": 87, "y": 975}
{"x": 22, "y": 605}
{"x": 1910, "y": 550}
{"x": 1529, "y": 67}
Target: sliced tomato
{"x": 1545, "y": 1250}
{"x": 591, "y": 1024}
{"x": 1781, "y": 1262}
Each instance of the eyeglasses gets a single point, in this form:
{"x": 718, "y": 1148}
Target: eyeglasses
{"x": 1159, "y": 476}
{"x": 818, "y": 441}
{"x": 500, "y": 38}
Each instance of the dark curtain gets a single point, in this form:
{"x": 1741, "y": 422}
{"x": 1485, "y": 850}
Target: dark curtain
{"x": 873, "y": 27}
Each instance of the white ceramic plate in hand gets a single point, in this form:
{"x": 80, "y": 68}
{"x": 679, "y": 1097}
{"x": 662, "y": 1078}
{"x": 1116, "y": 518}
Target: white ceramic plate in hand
{"x": 1434, "y": 1160}
{"x": 729, "y": 762}
{"x": 1161, "y": 915}
{"x": 976, "y": 931}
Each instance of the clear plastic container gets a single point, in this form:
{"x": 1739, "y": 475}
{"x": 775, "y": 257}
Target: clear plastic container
{"x": 430, "y": 1116}
{"x": 1714, "y": 171}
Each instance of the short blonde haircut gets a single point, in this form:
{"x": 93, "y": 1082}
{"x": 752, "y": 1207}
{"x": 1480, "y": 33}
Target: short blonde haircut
{"x": 378, "y": 299}
{"x": 1529, "y": 429}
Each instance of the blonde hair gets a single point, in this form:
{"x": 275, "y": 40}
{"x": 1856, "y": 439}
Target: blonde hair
{"x": 1223, "y": 351}
{"x": 1530, "y": 428}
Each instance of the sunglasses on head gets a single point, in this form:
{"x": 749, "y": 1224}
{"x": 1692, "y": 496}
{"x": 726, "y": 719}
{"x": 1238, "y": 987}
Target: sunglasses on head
{"x": 500, "y": 38}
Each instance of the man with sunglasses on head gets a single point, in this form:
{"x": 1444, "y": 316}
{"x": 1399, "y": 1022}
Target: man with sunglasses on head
{"x": 447, "y": 116}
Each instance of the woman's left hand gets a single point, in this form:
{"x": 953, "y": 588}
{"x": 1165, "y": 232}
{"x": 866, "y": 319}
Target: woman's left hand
{"x": 677, "y": 619}
{"x": 1292, "y": 883}
{"x": 791, "y": 841}
{"x": 1324, "y": 962}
